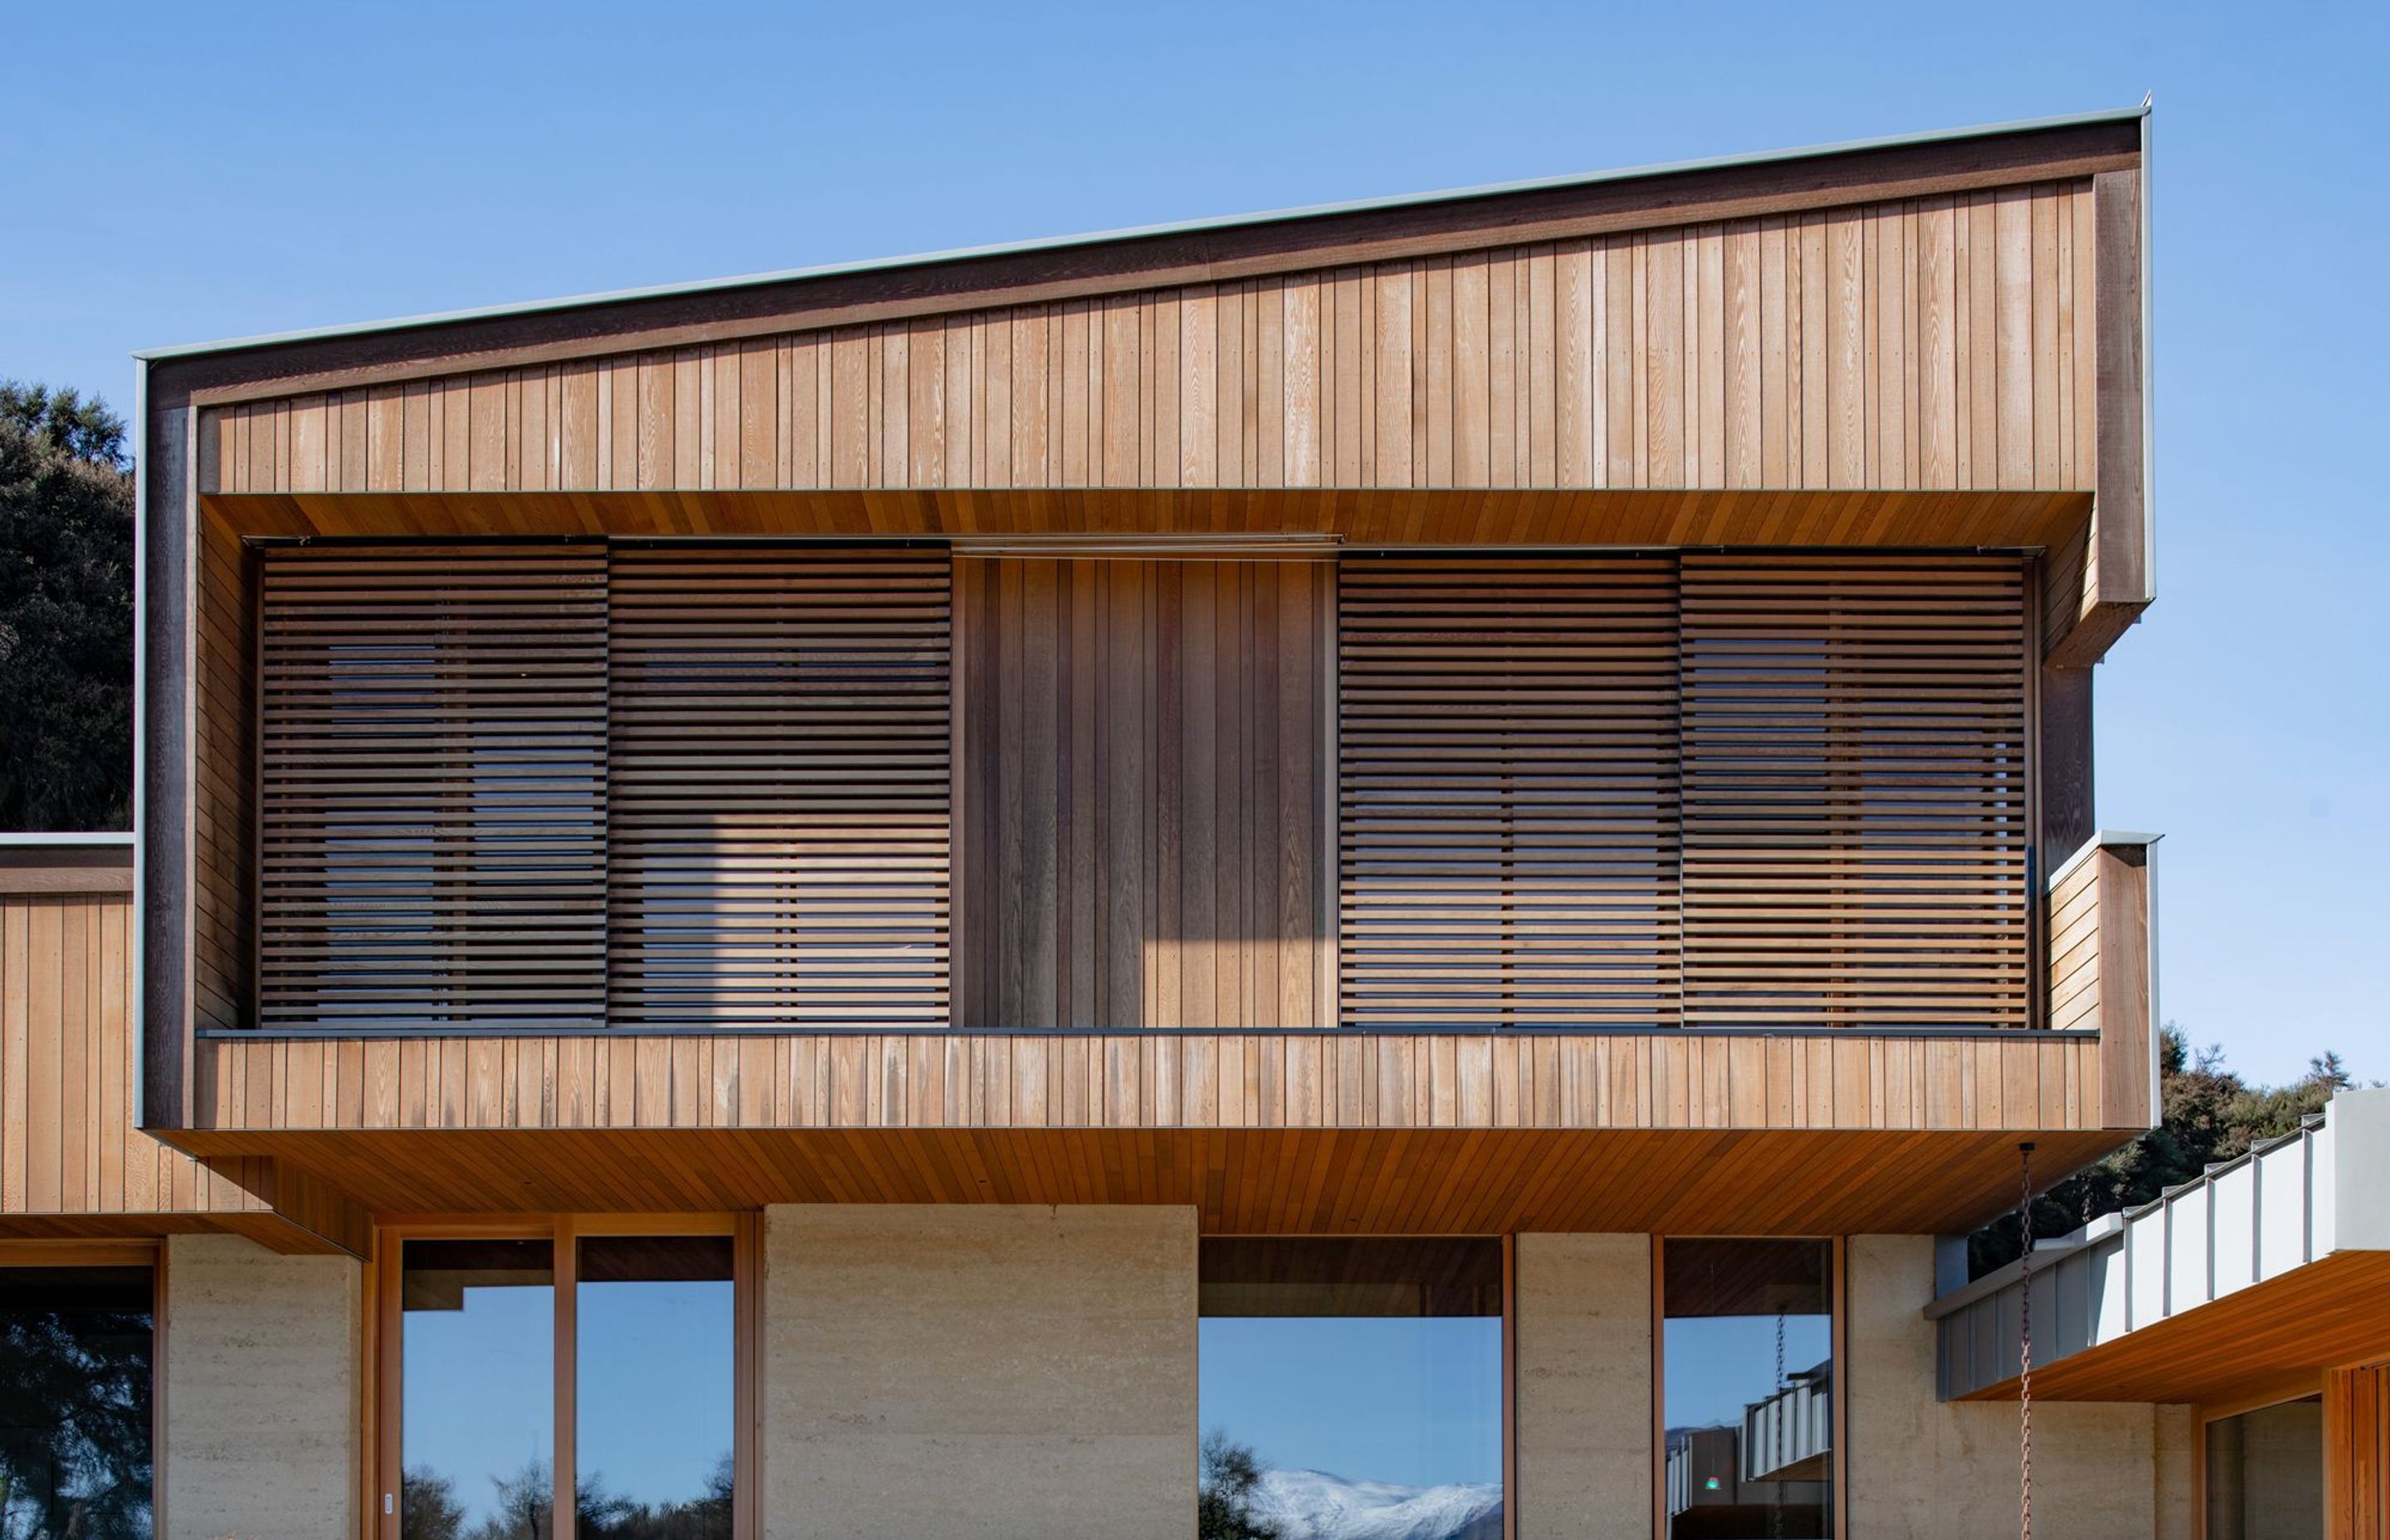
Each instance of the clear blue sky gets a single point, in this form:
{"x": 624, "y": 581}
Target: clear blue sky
{"x": 655, "y": 1384}
{"x": 182, "y": 173}
{"x": 1412, "y": 1400}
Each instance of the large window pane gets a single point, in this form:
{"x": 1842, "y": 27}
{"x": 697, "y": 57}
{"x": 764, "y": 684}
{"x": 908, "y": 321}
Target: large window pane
{"x": 2265, "y": 1473}
{"x": 1747, "y": 1356}
{"x": 478, "y": 1419}
{"x": 1352, "y": 1388}
{"x": 75, "y": 1347}
{"x": 655, "y": 1385}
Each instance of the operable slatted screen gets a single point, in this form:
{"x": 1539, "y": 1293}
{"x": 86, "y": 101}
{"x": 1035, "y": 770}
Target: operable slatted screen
{"x": 1854, "y": 792}
{"x": 1507, "y": 771}
{"x": 779, "y": 838}
{"x": 1722, "y": 792}
{"x": 432, "y": 788}
{"x": 538, "y": 786}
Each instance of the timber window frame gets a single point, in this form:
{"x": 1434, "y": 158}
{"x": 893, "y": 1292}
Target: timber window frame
{"x": 144, "y": 1255}
{"x": 1837, "y": 1293}
{"x": 385, "y": 1356}
{"x": 1286, "y": 1277}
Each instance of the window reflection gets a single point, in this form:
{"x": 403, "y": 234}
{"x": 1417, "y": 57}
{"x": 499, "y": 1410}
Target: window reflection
{"x": 1350, "y": 1389}
{"x": 477, "y": 1390}
{"x": 654, "y": 1385}
{"x": 1748, "y": 1388}
{"x": 2265, "y": 1473}
{"x": 75, "y": 1346}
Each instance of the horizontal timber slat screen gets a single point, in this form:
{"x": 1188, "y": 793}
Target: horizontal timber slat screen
{"x": 714, "y": 785}
{"x": 1708, "y": 792}
{"x": 1854, "y": 756}
{"x": 1508, "y": 773}
{"x": 433, "y": 787}
{"x": 554, "y": 786}
{"x": 777, "y": 846}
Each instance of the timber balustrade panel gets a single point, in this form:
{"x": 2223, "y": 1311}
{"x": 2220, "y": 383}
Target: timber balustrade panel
{"x": 434, "y": 788}
{"x": 1507, "y": 766}
{"x": 1856, "y": 825}
{"x": 779, "y": 764}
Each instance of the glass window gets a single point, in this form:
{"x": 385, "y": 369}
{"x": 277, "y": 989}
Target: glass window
{"x": 1747, "y": 1388}
{"x": 2265, "y": 1473}
{"x": 75, "y": 1346}
{"x": 477, "y": 1386}
{"x": 1351, "y": 1387}
{"x": 655, "y": 1388}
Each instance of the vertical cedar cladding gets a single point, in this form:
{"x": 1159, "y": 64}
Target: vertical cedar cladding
{"x": 1507, "y": 769}
{"x": 1855, "y": 820}
{"x": 1144, "y": 793}
{"x": 432, "y": 787}
{"x": 777, "y": 850}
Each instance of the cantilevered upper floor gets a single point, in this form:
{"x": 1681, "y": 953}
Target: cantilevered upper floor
{"x": 1603, "y": 655}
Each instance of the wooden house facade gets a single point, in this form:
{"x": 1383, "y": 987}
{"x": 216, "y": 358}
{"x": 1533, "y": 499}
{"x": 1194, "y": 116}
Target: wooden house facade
{"x": 1001, "y": 807}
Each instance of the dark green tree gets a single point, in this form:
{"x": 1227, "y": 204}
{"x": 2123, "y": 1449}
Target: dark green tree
{"x": 74, "y": 1421}
{"x": 1223, "y": 1505}
{"x": 428, "y": 1508}
{"x": 66, "y": 613}
{"x": 2206, "y": 1113}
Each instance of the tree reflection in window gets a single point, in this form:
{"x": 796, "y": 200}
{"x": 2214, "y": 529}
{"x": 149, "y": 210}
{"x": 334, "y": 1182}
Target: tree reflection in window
{"x": 76, "y": 1350}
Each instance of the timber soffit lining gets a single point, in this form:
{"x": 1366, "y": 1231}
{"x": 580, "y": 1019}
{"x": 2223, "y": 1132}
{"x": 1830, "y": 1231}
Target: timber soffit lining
{"x": 1251, "y": 245}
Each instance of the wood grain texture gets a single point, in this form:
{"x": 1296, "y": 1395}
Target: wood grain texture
{"x": 777, "y": 802}
{"x": 1300, "y": 1181}
{"x": 1501, "y": 516}
{"x": 1848, "y": 1082}
{"x": 73, "y": 1162}
{"x": 1142, "y": 793}
{"x": 1854, "y": 349}
{"x": 1510, "y": 807}
{"x": 2357, "y": 1452}
{"x": 432, "y": 794}
{"x": 2311, "y": 1318}
{"x": 1855, "y": 824}
{"x": 2113, "y": 586}
{"x": 224, "y": 943}
{"x": 2098, "y": 929}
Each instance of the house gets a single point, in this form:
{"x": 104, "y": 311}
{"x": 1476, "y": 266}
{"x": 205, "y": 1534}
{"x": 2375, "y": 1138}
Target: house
{"x": 1392, "y": 869}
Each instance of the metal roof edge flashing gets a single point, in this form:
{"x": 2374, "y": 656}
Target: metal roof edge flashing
{"x": 1141, "y": 232}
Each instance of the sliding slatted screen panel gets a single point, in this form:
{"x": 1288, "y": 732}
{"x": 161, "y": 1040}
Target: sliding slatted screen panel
{"x": 1507, "y": 766}
{"x": 781, "y": 764}
{"x": 432, "y": 787}
{"x": 1854, "y": 792}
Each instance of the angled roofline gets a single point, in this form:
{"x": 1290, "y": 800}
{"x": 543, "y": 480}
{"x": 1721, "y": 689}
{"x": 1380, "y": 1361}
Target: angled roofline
{"x": 1148, "y": 232}
{"x": 1246, "y": 246}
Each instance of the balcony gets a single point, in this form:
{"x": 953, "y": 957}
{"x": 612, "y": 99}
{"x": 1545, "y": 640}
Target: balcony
{"x": 636, "y": 869}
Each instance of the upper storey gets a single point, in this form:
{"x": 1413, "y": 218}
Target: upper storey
{"x": 1947, "y": 332}
{"x": 1797, "y": 458}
